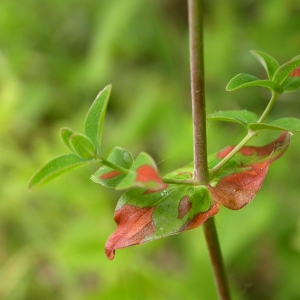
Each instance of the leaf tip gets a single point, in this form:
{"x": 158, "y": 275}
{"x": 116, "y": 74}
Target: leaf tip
{"x": 134, "y": 224}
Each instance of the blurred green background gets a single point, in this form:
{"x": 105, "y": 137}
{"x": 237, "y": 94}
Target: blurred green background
{"x": 55, "y": 56}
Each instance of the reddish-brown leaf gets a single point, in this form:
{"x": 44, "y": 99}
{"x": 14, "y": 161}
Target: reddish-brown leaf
{"x": 133, "y": 225}
{"x": 236, "y": 190}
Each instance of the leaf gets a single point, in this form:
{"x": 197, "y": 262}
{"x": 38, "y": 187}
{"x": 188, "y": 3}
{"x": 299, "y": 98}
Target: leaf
{"x": 94, "y": 119}
{"x": 268, "y": 62}
{"x": 65, "y": 134}
{"x": 245, "y": 80}
{"x": 283, "y": 124}
{"x": 285, "y": 70}
{"x": 143, "y": 173}
{"x": 239, "y": 180}
{"x": 291, "y": 83}
{"x": 143, "y": 216}
{"x": 110, "y": 177}
{"x": 82, "y": 146}
{"x": 242, "y": 117}
{"x": 55, "y": 167}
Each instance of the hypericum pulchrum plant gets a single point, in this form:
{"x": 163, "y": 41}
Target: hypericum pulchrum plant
{"x": 156, "y": 206}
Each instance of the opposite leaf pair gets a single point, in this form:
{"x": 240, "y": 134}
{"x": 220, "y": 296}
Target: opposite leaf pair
{"x": 144, "y": 215}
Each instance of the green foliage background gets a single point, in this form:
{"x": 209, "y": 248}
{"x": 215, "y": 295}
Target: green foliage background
{"x": 55, "y": 56}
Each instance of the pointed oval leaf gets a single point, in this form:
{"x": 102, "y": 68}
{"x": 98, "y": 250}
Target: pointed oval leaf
{"x": 82, "y": 146}
{"x": 268, "y": 62}
{"x": 143, "y": 216}
{"x": 55, "y": 167}
{"x": 242, "y": 117}
{"x": 283, "y": 124}
{"x": 245, "y": 80}
{"x": 143, "y": 173}
{"x": 110, "y": 177}
{"x": 240, "y": 179}
{"x": 285, "y": 70}
{"x": 65, "y": 134}
{"x": 95, "y": 117}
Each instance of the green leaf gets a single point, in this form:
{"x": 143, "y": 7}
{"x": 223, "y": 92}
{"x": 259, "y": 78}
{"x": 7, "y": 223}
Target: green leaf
{"x": 284, "y": 70}
{"x": 143, "y": 216}
{"x": 55, "y": 167}
{"x": 284, "y": 124}
{"x": 143, "y": 173}
{"x": 291, "y": 84}
{"x": 268, "y": 62}
{"x": 242, "y": 117}
{"x": 237, "y": 183}
{"x": 65, "y": 134}
{"x": 82, "y": 146}
{"x": 95, "y": 117}
{"x": 245, "y": 80}
{"x": 110, "y": 177}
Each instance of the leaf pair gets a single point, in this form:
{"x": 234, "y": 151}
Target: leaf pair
{"x": 139, "y": 173}
{"x": 86, "y": 147}
{"x": 249, "y": 120}
{"x": 145, "y": 215}
{"x": 279, "y": 80}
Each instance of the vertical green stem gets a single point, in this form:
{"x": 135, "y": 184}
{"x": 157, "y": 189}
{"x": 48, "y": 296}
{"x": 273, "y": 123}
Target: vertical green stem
{"x": 195, "y": 11}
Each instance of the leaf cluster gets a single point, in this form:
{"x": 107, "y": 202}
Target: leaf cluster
{"x": 280, "y": 80}
{"x": 156, "y": 206}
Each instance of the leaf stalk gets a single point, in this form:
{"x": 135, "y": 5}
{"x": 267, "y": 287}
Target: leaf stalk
{"x": 113, "y": 166}
{"x": 268, "y": 108}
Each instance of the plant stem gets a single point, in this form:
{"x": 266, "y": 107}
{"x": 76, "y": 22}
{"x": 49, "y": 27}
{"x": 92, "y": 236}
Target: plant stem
{"x": 201, "y": 174}
{"x": 218, "y": 267}
{"x": 195, "y": 12}
{"x": 268, "y": 108}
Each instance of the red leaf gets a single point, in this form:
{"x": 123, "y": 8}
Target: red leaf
{"x": 236, "y": 190}
{"x": 133, "y": 225}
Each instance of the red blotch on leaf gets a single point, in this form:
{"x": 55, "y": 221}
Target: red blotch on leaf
{"x": 110, "y": 175}
{"x": 184, "y": 207}
{"x": 201, "y": 217}
{"x": 147, "y": 173}
{"x": 295, "y": 72}
{"x": 133, "y": 225}
{"x": 238, "y": 189}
